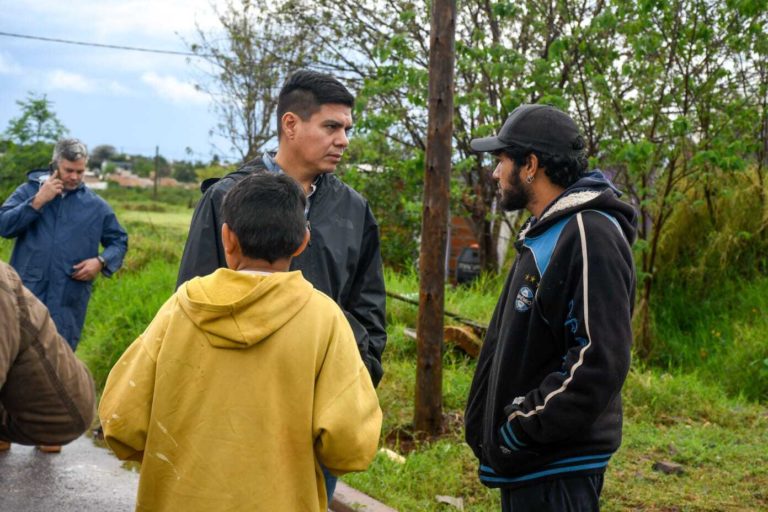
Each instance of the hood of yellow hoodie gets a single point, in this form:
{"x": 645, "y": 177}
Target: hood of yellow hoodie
{"x": 239, "y": 309}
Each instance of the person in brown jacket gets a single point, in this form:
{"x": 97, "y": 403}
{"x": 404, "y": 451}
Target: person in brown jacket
{"x": 46, "y": 393}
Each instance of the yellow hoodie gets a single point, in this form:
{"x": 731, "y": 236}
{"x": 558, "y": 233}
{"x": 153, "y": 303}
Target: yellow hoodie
{"x": 235, "y": 390}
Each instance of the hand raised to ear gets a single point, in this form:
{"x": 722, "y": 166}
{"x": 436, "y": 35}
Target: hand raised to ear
{"x": 50, "y": 188}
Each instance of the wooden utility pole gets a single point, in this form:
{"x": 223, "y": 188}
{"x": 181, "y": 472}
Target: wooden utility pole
{"x": 157, "y": 168}
{"x": 428, "y": 417}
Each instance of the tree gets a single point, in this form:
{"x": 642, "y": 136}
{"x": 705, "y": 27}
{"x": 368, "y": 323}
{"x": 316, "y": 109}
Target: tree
{"x": 665, "y": 116}
{"x": 213, "y": 170}
{"x": 672, "y": 98}
{"x": 507, "y": 54}
{"x": 145, "y": 166}
{"x": 184, "y": 171}
{"x": 428, "y": 414}
{"x": 102, "y": 153}
{"x": 30, "y": 141}
{"x": 247, "y": 61}
{"x": 37, "y": 122}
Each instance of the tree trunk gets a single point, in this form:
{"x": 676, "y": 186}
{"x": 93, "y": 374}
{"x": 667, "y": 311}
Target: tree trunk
{"x": 428, "y": 414}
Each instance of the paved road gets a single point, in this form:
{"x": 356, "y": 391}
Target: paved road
{"x": 82, "y": 478}
{"x": 85, "y": 477}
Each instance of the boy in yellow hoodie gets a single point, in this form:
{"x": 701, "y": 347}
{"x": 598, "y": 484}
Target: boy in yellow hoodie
{"x": 247, "y": 379}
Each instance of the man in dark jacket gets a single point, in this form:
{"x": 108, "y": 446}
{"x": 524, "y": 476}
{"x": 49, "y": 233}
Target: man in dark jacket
{"x": 544, "y": 413}
{"x": 46, "y": 393}
{"x": 314, "y": 115}
{"x": 59, "y": 224}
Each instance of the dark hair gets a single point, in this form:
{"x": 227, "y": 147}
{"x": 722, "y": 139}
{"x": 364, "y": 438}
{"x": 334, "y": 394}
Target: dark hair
{"x": 562, "y": 170}
{"x": 266, "y": 212}
{"x": 306, "y": 91}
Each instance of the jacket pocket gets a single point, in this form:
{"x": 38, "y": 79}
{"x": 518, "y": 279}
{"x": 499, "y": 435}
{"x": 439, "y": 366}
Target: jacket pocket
{"x": 76, "y": 294}
{"x": 509, "y": 440}
{"x": 31, "y": 273}
{"x": 506, "y": 453}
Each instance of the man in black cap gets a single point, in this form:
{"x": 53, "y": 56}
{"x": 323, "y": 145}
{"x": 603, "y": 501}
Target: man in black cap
{"x": 544, "y": 413}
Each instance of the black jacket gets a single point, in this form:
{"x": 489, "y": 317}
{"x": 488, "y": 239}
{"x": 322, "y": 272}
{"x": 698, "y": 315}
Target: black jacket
{"x": 557, "y": 350}
{"x": 342, "y": 260}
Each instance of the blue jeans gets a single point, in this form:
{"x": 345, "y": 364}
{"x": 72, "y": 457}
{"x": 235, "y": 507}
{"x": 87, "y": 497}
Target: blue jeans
{"x": 330, "y": 484}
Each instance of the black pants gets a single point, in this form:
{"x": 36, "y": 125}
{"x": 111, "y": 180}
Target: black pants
{"x": 577, "y": 494}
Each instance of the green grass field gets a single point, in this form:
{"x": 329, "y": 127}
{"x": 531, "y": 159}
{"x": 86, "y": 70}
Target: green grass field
{"x": 702, "y": 404}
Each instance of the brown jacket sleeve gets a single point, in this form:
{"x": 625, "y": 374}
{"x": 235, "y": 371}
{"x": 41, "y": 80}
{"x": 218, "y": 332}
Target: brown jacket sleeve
{"x": 46, "y": 393}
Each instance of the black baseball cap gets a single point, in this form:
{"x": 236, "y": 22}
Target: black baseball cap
{"x": 539, "y": 127}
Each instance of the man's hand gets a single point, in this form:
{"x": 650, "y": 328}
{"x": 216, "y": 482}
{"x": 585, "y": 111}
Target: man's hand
{"x": 87, "y": 270}
{"x": 50, "y": 188}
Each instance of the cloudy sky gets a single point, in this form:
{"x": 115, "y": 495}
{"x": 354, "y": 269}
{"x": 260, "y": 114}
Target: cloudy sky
{"x": 131, "y": 100}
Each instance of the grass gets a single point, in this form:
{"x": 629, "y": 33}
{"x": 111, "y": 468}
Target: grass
{"x": 5, "y": 249}
{"x": 721, "y": 442}
{"x": 121, "y": 307}
{"x": 174, "y": 219}
{"x": 119, "y": 312}
{"x": 721, "y": 335}
{"x": 133, "y": 198}
{"x": 474, "y": 302}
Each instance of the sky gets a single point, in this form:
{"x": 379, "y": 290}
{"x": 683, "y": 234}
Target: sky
{"x": 133, "y": 101}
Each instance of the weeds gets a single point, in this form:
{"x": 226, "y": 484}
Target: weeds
{"x": 721, "y": 335}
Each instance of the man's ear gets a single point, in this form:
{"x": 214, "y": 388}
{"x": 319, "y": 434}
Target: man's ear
{"x": 532, "y": 162}
{"x": 303, "y": 244}
{"x": 288, "y": 125}
{"x": 229, "y": 240}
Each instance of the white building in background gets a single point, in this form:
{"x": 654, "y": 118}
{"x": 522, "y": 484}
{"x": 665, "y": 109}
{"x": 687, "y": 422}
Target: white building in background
{"x": 92, "y": 181}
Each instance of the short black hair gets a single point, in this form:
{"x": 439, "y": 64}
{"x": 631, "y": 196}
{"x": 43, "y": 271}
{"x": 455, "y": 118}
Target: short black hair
{"x": 562, "y": 170}
{"x": 266, "y": 212}
{"x": 306, "y": 91}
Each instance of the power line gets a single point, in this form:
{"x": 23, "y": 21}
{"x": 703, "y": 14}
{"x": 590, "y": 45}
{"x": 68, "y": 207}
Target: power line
{"x": 316, "y": 65}
{"x": 98, "y": 45}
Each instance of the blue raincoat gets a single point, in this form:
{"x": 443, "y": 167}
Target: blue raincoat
{"x": 50, "y": 241}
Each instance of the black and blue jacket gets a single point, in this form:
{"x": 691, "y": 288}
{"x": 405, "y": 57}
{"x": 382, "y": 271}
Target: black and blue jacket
{"x": 545, "y": 401}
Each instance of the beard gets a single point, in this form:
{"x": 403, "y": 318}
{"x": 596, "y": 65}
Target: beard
{"x": 516, "y": 197}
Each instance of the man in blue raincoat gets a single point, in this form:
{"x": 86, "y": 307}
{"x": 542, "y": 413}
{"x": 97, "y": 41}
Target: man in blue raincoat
{"x": 59, "y": 224}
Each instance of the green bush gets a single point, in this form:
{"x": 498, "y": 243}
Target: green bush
{"x": 716, "y": 237}
{"x": 394, "y": 188}
{"x": 17, "y": 160}
{"x": 746, "y": 362}
{"x": 721, "y": 334}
